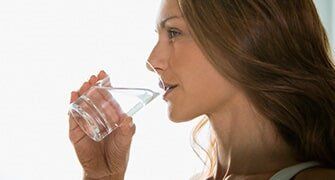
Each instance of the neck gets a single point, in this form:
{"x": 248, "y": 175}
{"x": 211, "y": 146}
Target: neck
{"x": 247, "y": 143}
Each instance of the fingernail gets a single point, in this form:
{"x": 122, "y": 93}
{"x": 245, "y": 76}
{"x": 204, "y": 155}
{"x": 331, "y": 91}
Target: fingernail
{"x": 73, "y": 94}
{"x": 100, "y": 74}
{"x": 93, "y": 79}
{"x": 131, "y": 124}
{"x": 130, "y": 119}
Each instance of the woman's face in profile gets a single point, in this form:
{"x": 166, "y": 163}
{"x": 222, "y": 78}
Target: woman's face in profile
{"x": 200, "y": 89}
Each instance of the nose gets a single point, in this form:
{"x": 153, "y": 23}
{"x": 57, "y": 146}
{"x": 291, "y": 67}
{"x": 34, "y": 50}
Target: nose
{"x": 149, "y": 66}
{"x": 158, "y": 59}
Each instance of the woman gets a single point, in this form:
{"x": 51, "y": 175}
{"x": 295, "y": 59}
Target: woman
{"x": 263, "y": 69}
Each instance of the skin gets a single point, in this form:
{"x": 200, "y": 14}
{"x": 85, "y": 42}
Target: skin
{"x": 108, "y": 158}
{"x": 248, "y": 146}
{"x": 179, "y": 61}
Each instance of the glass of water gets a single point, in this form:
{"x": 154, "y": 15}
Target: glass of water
{"x": 99, "y": 109}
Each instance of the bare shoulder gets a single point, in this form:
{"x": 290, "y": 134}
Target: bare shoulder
{"x": 316, "y": 173}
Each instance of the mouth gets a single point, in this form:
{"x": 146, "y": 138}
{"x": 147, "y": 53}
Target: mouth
{"x": 167, "y": 86}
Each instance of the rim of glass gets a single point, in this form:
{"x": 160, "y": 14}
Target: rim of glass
{"x": 156, "y": 74}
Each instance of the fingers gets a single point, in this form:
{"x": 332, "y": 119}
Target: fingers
{"x": 84, "y": 88}
{"x": 103, "y": 79}
{"x": 74, "y": 96}
{"x": 101, "y": 97}
{"x": 93, "y": 80}
{"x": 109, "y": 98}
{"x": 102, "y": 74}
{"x": 86, "y": 85}
{"x": 72, "y": 123}
{"x": 105, "y": 82}
{"x": 75, "y": 133}
{"x": 103, "y": 104}
{"x": 127, "y": 126}
{"x": 125, "y": 132}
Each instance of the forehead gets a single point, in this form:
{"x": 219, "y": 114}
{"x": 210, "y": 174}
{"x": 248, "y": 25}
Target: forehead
{"x": 167, "y": 9}
{"x": 169, "y": 5}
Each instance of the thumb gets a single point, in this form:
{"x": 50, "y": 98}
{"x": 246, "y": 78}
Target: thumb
{"x": 127, "y": 126}
{"x": 126, "y": 131}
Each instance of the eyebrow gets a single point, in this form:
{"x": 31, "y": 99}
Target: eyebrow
{"x": 163, "y": 22}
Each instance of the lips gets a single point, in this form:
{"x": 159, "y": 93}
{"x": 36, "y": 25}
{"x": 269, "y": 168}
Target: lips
{"x": 168, "y": 92}
{"x": 170, "y": 87}
{"x": 167, "y": 86}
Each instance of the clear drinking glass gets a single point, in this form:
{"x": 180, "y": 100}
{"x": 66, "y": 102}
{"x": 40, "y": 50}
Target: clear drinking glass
{"x": 98, "y": 110}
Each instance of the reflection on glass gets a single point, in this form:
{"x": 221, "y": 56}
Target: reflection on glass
{"x": 98, "y": 110}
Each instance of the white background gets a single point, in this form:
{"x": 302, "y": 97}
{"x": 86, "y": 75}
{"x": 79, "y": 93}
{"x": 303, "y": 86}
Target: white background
{"x": 47, "y": 49}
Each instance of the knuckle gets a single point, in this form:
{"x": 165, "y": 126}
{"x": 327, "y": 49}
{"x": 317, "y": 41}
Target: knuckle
{"x": 133, "y": 129}
{"x": 70, "y": 137}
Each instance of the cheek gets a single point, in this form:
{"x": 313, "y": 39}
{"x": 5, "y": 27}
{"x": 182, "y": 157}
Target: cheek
{"x": 196, "y": 99}
{"x": 214, "y": 94}
{"x": 183, "y": 111}
{"x": 203, "y": 88}
{"x": 202, "y": 93}
{"x": 185, "y": 105}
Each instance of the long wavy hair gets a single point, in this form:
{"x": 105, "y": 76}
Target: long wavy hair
{"x": 279, "y": 53}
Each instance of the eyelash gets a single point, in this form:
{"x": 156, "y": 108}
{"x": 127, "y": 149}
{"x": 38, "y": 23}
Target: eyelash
{"x": 172, "y": 31}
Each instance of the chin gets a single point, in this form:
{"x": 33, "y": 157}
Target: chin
{"x": 179, "y": 117}
{"x": 178, "y": 120}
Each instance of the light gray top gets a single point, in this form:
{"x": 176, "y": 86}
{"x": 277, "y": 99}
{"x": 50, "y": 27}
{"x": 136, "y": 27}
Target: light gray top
{"x": 290, "y": 172}
{"x": 284, "y": 174}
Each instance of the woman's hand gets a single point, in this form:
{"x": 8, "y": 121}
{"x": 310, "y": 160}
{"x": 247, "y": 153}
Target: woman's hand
{"x": 108, "y": 158}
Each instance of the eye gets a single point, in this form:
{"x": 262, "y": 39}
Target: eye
{"x": 172, "y": 33}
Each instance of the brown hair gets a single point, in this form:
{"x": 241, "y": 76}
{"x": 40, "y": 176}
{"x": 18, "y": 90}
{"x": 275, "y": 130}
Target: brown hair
{"x": 277, "y": 51}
